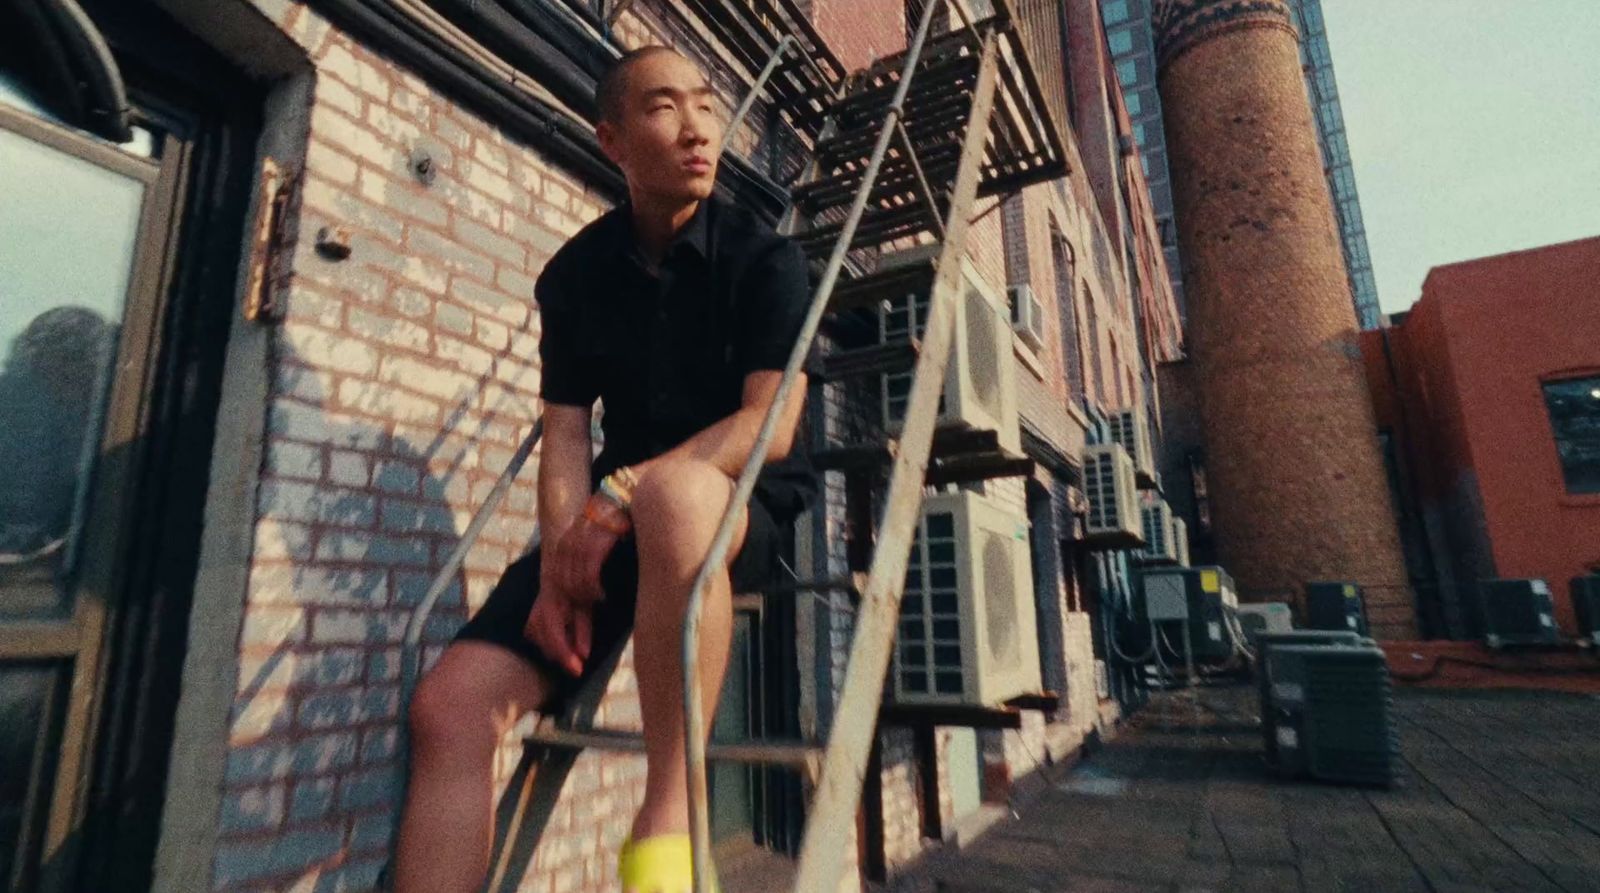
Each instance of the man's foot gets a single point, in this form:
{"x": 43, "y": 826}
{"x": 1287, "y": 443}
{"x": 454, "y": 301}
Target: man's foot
{"x": 660, "y": 864}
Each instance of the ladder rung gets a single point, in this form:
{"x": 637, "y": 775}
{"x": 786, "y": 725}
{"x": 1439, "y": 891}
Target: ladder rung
{"x": 928, "y": 81}
{"x": 895, "y": 178}
{"x": 931, "y": 122}
{"x": 890, "y": 284}
{"x": 877, "y": 226}
{"x": 768, "y": 752}
{"x": 895, "y": 356}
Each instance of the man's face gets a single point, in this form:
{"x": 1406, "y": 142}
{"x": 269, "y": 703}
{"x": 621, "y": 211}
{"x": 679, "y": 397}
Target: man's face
{"x": 667, "y": 132}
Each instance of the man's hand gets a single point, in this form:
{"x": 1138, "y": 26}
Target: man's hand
{"x": 560, "y": 626}
{"x": 578, "y": 559}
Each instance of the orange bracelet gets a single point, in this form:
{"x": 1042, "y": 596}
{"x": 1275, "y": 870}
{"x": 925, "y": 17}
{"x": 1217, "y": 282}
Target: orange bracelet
{"x": 596, "y": 515}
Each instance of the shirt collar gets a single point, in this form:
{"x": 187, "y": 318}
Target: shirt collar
{"x": 694, "y": 237}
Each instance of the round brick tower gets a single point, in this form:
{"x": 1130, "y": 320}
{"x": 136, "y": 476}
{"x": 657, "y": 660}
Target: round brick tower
{"x": 1297, "y": 483}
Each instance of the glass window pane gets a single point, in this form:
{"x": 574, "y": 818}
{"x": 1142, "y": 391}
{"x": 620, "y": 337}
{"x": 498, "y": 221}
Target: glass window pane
{"x": 66, "y": 255}
{"x": 1120, "y": 41}
{"x": 1574, "y": 407}
{"x": 1127, "y": 72}
{"x": 1134, "y": 102}
{"x": 1114, "y": 11}
{"x": 30, "y": 700}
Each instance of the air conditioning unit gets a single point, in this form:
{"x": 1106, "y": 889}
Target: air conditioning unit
{"x": 1335, "y": 606}
{"x": 1180, "y": 540}
{"x": 1202, "y": 599}
{"x": 1027, "y": 315}
{"x": 980, "y": 390}
{"x": 1265, "y": 642}
{"x": 1332, "y": 709}
{"x": 1586, "y": 604}
{"x": 1265, "y": 618}
{"x": 967, "y": 631}
{"x": 1518, "y": 612}
{"x": 1158, "y": 545}
{"x": 1114, "y": 521}
{"x": 1129, "y": 428}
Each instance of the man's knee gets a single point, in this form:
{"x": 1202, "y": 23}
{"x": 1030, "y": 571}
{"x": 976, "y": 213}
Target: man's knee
{"x": 447, "y": 710}
{"x": 681, "y": 492}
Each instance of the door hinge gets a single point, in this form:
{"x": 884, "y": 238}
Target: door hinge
{"x": 261, "y": 299}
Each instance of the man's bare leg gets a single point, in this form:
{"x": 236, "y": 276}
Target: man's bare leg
{"x": 460, "y": 711}
{"x": 675, "y": 511}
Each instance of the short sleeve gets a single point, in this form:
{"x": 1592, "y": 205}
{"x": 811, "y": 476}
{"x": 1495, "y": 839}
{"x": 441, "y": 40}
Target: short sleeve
{"x": 563, "y": 380}
{"x": 774, "y": 296}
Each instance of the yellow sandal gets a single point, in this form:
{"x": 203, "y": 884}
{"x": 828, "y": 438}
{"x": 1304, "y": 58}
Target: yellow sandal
{"x": 661, "y": 864}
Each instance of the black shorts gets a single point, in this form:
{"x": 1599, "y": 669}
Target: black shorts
{"x": 504, "y": 614}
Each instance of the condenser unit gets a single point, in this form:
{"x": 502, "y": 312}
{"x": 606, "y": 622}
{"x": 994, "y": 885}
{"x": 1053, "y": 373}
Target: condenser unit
{"x": 1180, "y": 540}
{"x": 1335, "y": 606}
{"x": 1333, "y": 708}
{"x": 1027, "y": 315}
{"x": 1130, "y": 429}
{"x": 1265, "y": 617}
{"x": 1195, "y": 602}
{"x": 1113, "y": 521}
{"x": 980, "y": 384}
{"x": 1158, "y": 545}
{"x": 1518, "y": 612}
{"x": 967, "y": 631}
{"x": 1586, "y": 604}
{"x": 1265, "y": 643}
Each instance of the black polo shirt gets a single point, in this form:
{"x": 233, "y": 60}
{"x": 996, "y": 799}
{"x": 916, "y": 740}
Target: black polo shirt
{"x": 667, "y": 352}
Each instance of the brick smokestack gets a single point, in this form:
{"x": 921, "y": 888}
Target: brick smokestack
{"x": 1298, "y": 486}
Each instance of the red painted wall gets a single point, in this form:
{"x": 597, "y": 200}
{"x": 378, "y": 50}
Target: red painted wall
{"x": 1461, "y": 388}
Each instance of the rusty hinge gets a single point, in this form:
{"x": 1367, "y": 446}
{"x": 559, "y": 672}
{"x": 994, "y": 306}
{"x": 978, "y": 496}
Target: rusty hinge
{"x": 261, "y": 302}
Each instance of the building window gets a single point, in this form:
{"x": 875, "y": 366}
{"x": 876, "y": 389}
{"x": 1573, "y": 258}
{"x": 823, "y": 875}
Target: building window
{"x": 1135, "y": 102}
{"x": 1574, "y": 406}
{"x": 1065, "y": 266}
{"x": 1127, "y": 72}
{"x": 1145, "y": 164}
{"x": 1120, "y": 41}
{"x": 1115, "y": 11}
{"x": 1138, "y": 134}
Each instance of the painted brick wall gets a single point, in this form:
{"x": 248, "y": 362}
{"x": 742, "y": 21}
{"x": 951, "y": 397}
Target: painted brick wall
{"x": 860, "y": 32}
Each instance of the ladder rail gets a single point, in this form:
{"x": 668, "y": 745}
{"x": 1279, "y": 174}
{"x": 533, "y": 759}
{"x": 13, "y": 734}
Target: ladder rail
{"x": 849, "y": 745}
{"x": 694, "y": 713}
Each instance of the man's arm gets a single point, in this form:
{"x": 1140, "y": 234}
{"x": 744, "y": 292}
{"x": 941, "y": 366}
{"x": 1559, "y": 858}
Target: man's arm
{"x": 563, "y": 472}
{"x": 727, "y": 444}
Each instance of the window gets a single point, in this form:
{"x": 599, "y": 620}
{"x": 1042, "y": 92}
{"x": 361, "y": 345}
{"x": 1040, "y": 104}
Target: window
{"x": 1066, "y": 275}
{"x": 1127, "y": 72}
{"x": 1144, "y": 163}
{"x": 1120, "y": 41}
{"x": 1138, "y": 134}
{"x": 1115, "y": 11}
{"x": 1574, "y": 406}
{"x": 1135, "y": 104}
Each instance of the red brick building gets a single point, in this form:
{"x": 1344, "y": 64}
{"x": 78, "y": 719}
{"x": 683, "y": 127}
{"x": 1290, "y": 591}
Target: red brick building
{"x": 1487, "y": 392}
{"x": 320, "y": 225}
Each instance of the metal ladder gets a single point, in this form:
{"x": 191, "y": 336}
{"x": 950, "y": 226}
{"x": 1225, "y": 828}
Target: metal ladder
{"x": 903, "y": 149}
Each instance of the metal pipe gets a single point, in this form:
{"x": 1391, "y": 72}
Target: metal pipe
{"x": 922, "y": 179}
{"x": 694, "y": 718}
{"x": 757, "y": 87}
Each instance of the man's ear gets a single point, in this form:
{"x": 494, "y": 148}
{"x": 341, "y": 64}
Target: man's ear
{"x": 610, "y": 143}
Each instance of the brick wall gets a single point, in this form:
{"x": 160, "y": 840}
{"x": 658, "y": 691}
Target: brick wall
{"x": 1292, "y": 457}
{"x": 859, "y": 32}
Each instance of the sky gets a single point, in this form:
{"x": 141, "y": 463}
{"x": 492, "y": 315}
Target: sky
{"x": 1474, "y": 127}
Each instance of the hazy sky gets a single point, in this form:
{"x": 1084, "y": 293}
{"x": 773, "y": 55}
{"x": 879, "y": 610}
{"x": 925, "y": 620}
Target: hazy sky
{"x": 1474, "y": 126}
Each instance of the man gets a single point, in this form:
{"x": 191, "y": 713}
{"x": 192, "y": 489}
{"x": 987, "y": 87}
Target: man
{"x": 678, "y": 312}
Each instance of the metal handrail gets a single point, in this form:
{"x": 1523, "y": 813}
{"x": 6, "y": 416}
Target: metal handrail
{"x": 694, "y": 718}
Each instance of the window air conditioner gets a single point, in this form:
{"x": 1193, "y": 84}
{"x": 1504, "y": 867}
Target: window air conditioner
{"x": 1114, "y": 521}
{"x": 1158, "y": 545}
{"x": 980, "y": 384}
{"x": 967, "y": 630}
{"x": 1130, "y": 429}
{"x": 1180, "y": 541}
{"x": 1027, "y": 315}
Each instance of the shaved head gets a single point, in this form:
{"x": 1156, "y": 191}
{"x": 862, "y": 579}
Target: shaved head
{"x": 613, "y": 86}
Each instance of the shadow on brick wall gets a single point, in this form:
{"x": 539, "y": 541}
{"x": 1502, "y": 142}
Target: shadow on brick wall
{"x": 357, "y": 516}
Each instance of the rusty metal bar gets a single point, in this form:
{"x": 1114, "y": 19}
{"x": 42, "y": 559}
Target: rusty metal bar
{"x": 694, "y": 713}
{"x": 838, "y": 793}
{"x": 922, "y": 179}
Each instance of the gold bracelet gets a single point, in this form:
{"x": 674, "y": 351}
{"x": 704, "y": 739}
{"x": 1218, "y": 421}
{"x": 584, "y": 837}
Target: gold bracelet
{"x": 596, "y": 515}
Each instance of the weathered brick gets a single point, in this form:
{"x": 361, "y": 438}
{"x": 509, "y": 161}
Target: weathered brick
{"x": 394, "y": 476}
{"x": 468, "y": 357}
{"x": 385, "y": 401}
{"x": 351, "y": 137}
{"x": 388, "y": 330}
{"x": 300, "y": 501}
{"x": 380, "y": 744}
{"x": 330, "y": 163}
{"x": 348, "y": 468}
{"x": 493, "y": 335}
{"x": 491, "y": 302}
{"x": 272, "y": 625}
{"x": 516, "y": 284}
{"x": 264, "y": 712}
{"x": 296, "y": 420}
{"x": 290, "y": 584}
{"x": 238, "y": 863}
{"x": 312, "y": 799}
{"x": 282, "y": 539}
{"x": 489, "y": 242}
{"x": 452, "y": 254}
{"x": 429, "y": 378}
{"x": 383, "y": 665}
{"x": 409, "y": 199}
{"x": 336, "y": 93}
{"x": 426, "y": 273}
{"x": 483, "y": 178}
{"x": 331, "y": 708}
{"x": 358, "y": 627}
{"x": 410, "y": 587}
{"x": 289, "y": 459}
{"x": 371, "y": 787}
{"x": 410, "y": 303}
{"x": 319, "y": 347}
{"x": 339, "y": 204}
{"x": 276, "y": 759}
{"x": 449, "y": 316}
{"x": 355, "y": 71}
{"x": 252, "y": 809}
{"x": 409, "y": 516}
